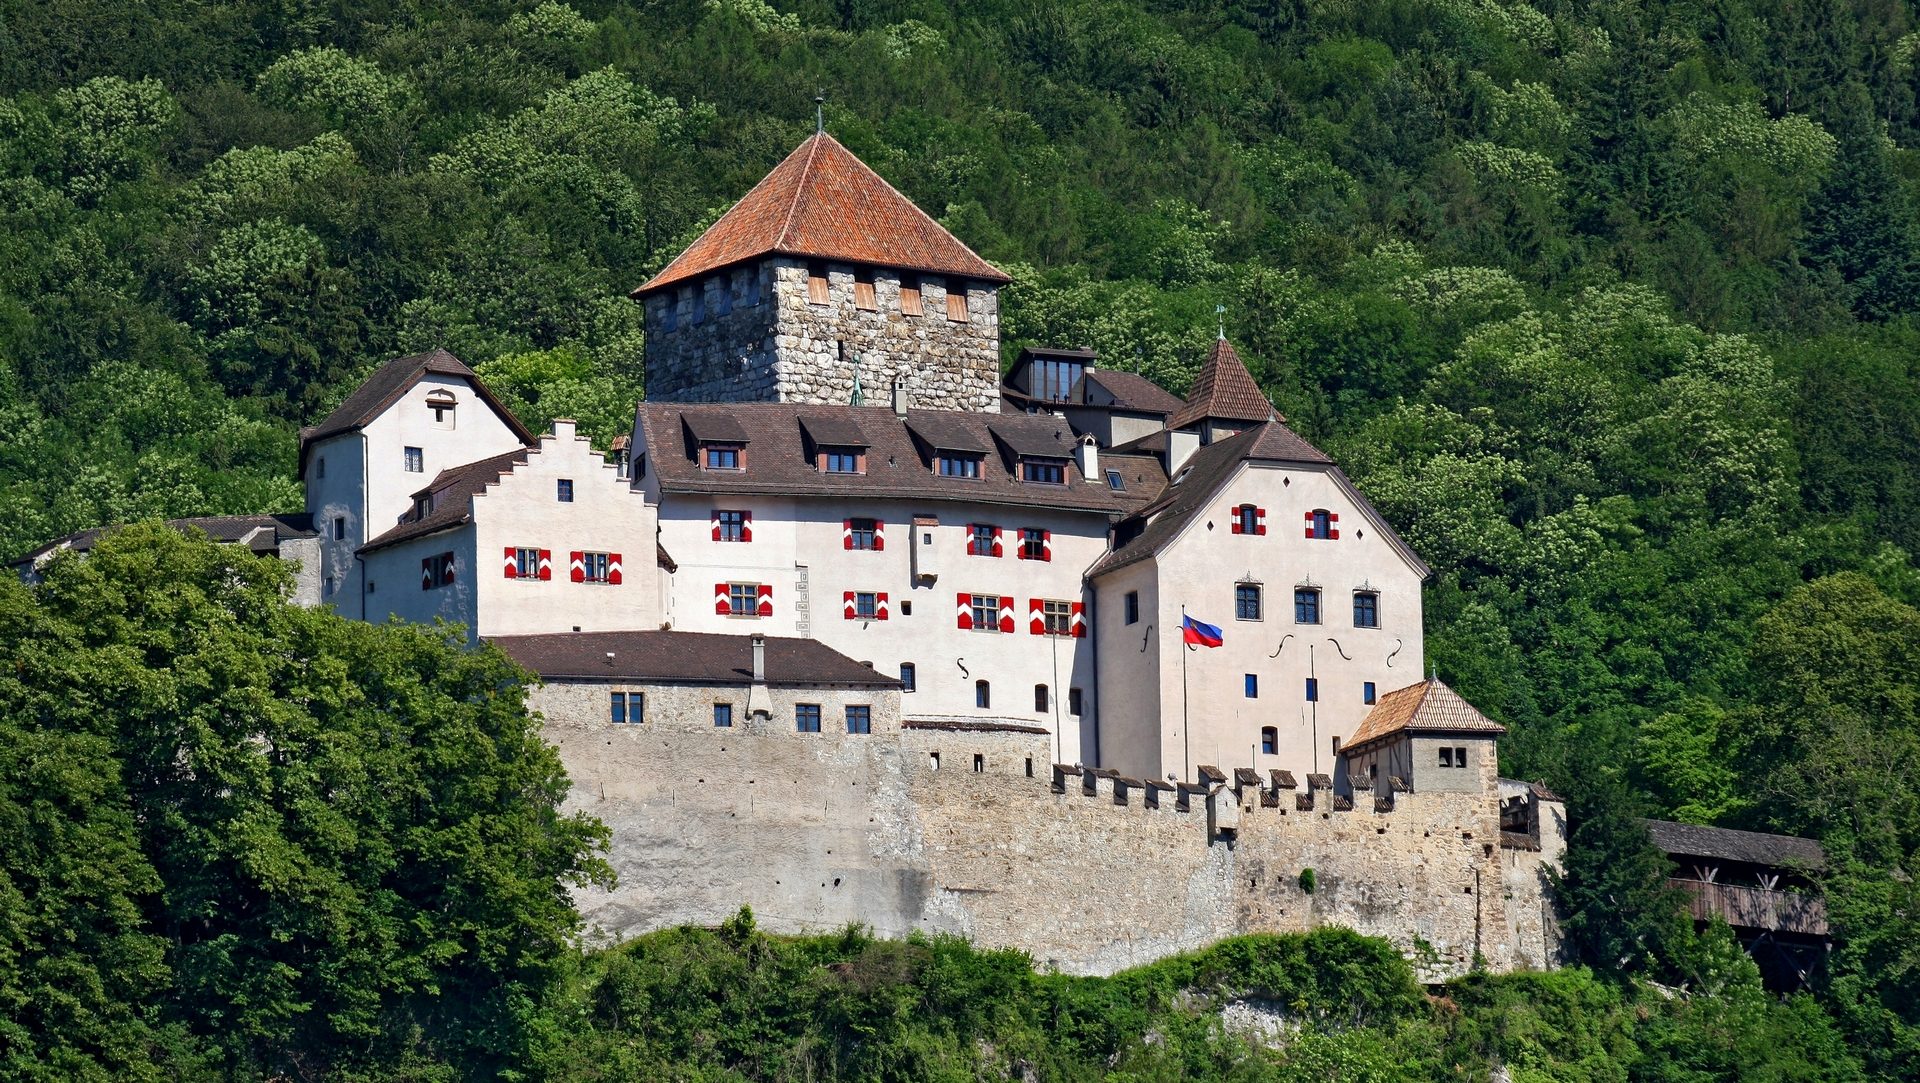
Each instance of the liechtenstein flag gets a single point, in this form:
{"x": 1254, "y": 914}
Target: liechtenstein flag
{"x": 1194, "y": 631}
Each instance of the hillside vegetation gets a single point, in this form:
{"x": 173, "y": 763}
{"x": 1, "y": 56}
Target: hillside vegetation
{"x": 1609, "y": 306}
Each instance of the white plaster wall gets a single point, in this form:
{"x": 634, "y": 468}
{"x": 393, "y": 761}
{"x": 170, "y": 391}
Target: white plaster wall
{"x": 605, "y": 516}
{"x": 798, "y": 547}
{"x": 1130, "y": 657}
{"x": 1199, "y": 570}
{"x": 393, "y": 581}
{"x": 336, "y": 490}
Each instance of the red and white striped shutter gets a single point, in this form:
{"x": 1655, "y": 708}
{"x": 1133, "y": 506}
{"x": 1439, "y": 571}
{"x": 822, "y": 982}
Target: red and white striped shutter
{"x": 613, "y": 569}
{"x": 1037, "y": 616}
{"x": 846, "y": 533}
{"x": 1079, "y": 621}
{"x": 1046, "y": 545}
{"x": 577, "y": 566}
{"x": 1309, "y": 524}
{"x": 1333, "y": 532}
{"x": 880, "y": 606}
{"x": 973, "y": 550}
{"x": 716, "y": 524}
{"x": 1006, "y": 613}
{"x": 546, "y": 565}
{"x": 426, "y": 573}
{"x": 513, "y": 563}
{"x": 996, "y": 541}
{"x": 446, "y": 565}
{"x": 852, "y": 610}
{"x": 1236, "y": 519}
{"x": 746, "y": 526}
{"x": 721, "y": 604}
{"x": 879, "y": 536}
{"x": 965, "y": 622}
{"x": 766, "y": 599}
{"x": 1260, "y": 521}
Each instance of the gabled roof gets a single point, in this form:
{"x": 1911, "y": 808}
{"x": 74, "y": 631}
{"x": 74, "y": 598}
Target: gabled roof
{"x": 1224, "y": 390}
{"x": 684, "y": 658}
{"x": 385, "y": 387}
{"x": 1129, "y": 391}
{"x": 1726, "y": 844}
{"x": 1427, "y": 707}
{"x": 452, "y": 490}
{"x": 825, "y": 203}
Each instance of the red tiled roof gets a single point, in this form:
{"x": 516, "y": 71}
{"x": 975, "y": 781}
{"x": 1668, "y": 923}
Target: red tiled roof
{"x": 1427, "y": 707}
{"x": 825, "y": 203}
{"x": 1224, "y": 390}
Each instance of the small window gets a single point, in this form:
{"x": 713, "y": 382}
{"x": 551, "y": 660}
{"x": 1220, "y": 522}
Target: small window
{"x": 1043, "y": 471}
{"x": 982, "y": 695}
{"x": 1253, "y": 686}
{"x": 1073, "y": 701}
{"x": 1246, "y": 601}
{"x": 957, "y": 302}
{"x": 1133, "y": 607}
{"x": 951, "y": 464}
{"x": 1033, "y": 543}
{"x": 1366, "y": 692}
{"x": 816, "y": 283}
{"x": 526, "y": 563}
{"x": 723, "y": 715}
{"x": 1041, "y": 701}
{"x": 441, "y": 404}
{"x": 979, "y": 763}
{"x": 907, "y": 676}
{"x": 860, "y": 719}
{"x": 1319, "y": 523}
{"x": 329, "y": 584}
{"x": 862, "y": 533}
{"x": 910, "y": 297}
{"x": 806, "y": 717}
{"x": 986, "y": 612}
{"x": 732, "y": 525}
{"x": 1248, "y": 519}
{"x": 596, "y": 567}
{"x": 1366, "y": 609}
{"x": 721, "y": 457}
{"x": 563, "y": 490}
{"x": 1115, "y": 482}
{"x": 984, "y": 538}
{"x": 1313, "y": 690}
{"x": 1306, "y": 605}
{"x": 1057, "y": 617}
{"x": 339, "y": 528}
{"x": 1459, "y": 756}
{"x": 1269, "y": 740}
{"x": 743, "y": 599}
{"x": 1446, "y": 756}
{"x": 840, "y": 460}
{"x": 320, "y": 468}
{"x": 863, "y": 297}
{"x": 866, "y": 604}
{"x": 619, "y": 711}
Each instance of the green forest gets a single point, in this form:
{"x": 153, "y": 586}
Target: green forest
{"x": 1608, "y": 306}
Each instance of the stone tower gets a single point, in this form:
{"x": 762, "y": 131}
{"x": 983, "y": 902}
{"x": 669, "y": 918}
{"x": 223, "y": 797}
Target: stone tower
{"x": 822, "y": 271}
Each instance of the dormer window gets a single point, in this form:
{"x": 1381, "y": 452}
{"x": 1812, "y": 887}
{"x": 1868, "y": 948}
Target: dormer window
{"x": 842, "y": 460}
{"x": 441, "y": 404}
{"x": 1044, "y": 471}
{"x": 720, "y": 456}
{"x": 422, "y": 506}
{"x": 955, "y": 464}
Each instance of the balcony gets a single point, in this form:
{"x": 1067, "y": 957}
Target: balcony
{"x": 1756, "y": 907}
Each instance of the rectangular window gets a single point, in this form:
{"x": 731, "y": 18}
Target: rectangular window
{"x": 1247, "y": 519}
{"x": 1033, "y": 544}
{"x": 1306, "y": 605}
{"x": 1459, "y": 756}
{"x": 1133, "y": 607}
{"x": 526, "y": 563}
{"x": 906, "y": 676}
{"x": 1366, "y": 610}
{"x": 816, "y": 283}
{"x": 743, "y": 599}
{"x": 618, "y": 707}
{"x": 806, "y": 717}
{"x": 721, "y": 457}
{"x": 1246, "y": 601}
{"x": 957, "y": 303}
{"x": 723, "y": 715}
{"x": 954, "y": 465}
{"x": 1058, "y": 617}
{"x": 339, "y": 528}
{"x": 1320, "y": 524}
{"x": 1115, "y": 482}
{"x": 1041, "y": 701}
{"x": 1269, "y": 740}
{"x": 865, "y": 604}
{"x": 860, "y": 533}
{"x": 731, "y": 525}
{"x": 320, "y": 468}
{"x": 863, "y": 297}
{"x": 595, "y": 567}
{"x": 860, "y": 719}
{"x": 329, "y": 584}
{"x": 910, "y": 298}
{"x": 1073, "y": 701}
{"x": 986, "y": 537}
{"x": 563, "y": 490}
{"x": 416, "y": 460}
{"x": 840, "y": 461}
{"x": 1366, "y": 692}
{"x": 1446, "y": 756}
{"x": 1313, "y": 690}
{"x": 1253, "y": 686}
{"x": 1043, "y": 471}
{"x": 986, "y": 612}
{"x": 983, "y": 695}
{"x": 979, "y": 763}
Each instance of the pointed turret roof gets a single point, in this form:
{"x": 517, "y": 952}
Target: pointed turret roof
{"x": 823, "y": 202}
{"x": 1225, "y": 391}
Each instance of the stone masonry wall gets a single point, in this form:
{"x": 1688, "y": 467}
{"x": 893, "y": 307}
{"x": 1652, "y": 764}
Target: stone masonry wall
{"x": 712, "y": 340}
{"x": 1092, "y": 875}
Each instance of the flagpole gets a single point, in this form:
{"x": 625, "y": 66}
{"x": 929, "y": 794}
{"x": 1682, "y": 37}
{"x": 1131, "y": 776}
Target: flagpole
{"x": 1186, "y": 741}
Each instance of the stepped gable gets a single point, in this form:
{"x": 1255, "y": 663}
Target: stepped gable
{"x": 453, "y": 490}
{"x": 1427, "y": 707}
{"x": 823, "y": 202}
{"x": 690, "y": 657}
{"x": 384, "y": 388}
{"x": 1225, "y": 391}
{"x": 779, "y": 460}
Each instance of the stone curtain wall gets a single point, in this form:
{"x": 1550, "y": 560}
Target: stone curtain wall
{"x": 817, "y": 830}
{"x": 698, "y": 336}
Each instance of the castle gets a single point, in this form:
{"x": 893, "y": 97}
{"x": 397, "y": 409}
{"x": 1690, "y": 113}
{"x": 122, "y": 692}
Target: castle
{"x": 855, "y": 629}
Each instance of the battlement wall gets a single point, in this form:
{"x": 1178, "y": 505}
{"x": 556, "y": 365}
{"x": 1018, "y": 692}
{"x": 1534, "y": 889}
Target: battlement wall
{"x": 1087, "y": 871}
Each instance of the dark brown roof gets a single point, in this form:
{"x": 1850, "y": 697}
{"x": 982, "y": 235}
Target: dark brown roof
{"x": 684, "y": 657}
{"x": 1144, "y": 476}
{"x": 947, "y": 432}
{"x": 961, "y": 725}
{"x": 833, "y": 430}
{"x": 262, "y": 532}
{"x": 1129, "y": 391}
{"x": 1022, "y": 437}
{"x": 1427, "y": 707}
{"x": 714, "y": 427}
{"x": 452, "y": 490}
{"x": 824, "y": 202}
{"x": 384, "y": 388}
{"x": 1726, "y": 844}
{"x": 898, "y": 465}
{"x": 1224, "y": 390}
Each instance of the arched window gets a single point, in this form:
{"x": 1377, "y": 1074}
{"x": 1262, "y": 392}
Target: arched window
{"x": 1322, "y": 523}
{"x": 982, "y": 695}
{"x": 1269, "y": 741}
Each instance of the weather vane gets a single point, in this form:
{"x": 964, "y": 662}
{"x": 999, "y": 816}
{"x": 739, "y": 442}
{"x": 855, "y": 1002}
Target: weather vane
{"x": 819, "y": 111}
{"x": 1220, "y": 314}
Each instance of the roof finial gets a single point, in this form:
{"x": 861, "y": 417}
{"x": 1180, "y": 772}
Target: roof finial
{"x": 1220, "y": 314}
{"x": 858, "y": 398}
{"x": 819, "y": 112}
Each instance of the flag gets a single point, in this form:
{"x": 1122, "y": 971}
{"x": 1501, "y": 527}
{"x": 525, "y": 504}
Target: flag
{"x": 1200, "y": 632}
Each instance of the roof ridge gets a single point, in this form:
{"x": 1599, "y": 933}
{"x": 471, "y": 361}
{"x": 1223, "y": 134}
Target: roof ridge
{"x": 793, "y": 205}
{"x": 922, "y": 211}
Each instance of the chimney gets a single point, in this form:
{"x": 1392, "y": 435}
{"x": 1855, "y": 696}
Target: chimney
{"x": 1089, "y": 458}
{"x": 759, "y": 658}
{"x": 900, "y": 395}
